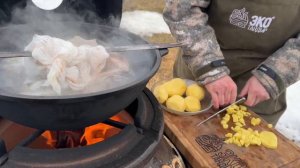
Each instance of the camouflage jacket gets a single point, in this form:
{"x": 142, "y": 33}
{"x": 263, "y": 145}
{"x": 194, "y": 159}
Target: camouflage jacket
{"x": 188, "y": 24}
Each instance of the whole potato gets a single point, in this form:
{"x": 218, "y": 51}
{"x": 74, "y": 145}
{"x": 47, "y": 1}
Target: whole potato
{"x": 175, "y": 86}
{"x": 176, "y": 103}
{"x": 161, "y": 94}
{"x": 195, "y": 91}
{"x": 192, "y": 104}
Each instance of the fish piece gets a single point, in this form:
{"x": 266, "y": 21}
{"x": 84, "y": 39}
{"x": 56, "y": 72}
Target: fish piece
{"x": 67, "y": 65}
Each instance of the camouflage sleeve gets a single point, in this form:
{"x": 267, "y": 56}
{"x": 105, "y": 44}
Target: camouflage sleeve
{"x": 285, "y": 62}
{"x": 188, "y": 24}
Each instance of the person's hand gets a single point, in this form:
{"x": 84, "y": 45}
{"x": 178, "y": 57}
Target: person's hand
{"x": 255, "y": 92}
{"x": 223, "y": 91}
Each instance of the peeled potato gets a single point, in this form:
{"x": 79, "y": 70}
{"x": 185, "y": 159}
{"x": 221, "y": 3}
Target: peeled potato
{"x": 175, "y": 86}
{"x": 195, "y": 91}
{"x": 176, "y": 102}
{"x": 255, "y": 121}
{"x": 161, "y": 94}
{"x": 192, "y": 104}
{"x": 268, "y": 139}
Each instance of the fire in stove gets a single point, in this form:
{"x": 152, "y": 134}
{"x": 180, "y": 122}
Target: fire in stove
{"x": 133, "y": 138}
{"x": 86, "y": 136}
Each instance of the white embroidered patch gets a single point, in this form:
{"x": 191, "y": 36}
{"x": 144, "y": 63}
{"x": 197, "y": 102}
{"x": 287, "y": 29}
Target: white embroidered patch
{"x": 260, "y": 24}
{"x": 239, "y": 18}
{"x": 257, "y": 24}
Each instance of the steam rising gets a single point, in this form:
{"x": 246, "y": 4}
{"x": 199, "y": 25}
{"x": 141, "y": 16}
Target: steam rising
{"x": 19, "y": 74}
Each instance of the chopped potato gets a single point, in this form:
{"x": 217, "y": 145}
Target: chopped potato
{"x": 177, "y": 103}
{"x": 225, "y": 120}
{"x": 228, "y": 135}
{"x": 192, "y": 104}
{"x": 195, "y": 91}
{"x": 270, "y": 126}
{"x": 255, "y": 121}
{"x": 268, "y": 139}
{"x": 161, "y": 94}
{"x": 175, "y": 86}
{"x": 245, "y": 137}
{"x": 225, "y": 126}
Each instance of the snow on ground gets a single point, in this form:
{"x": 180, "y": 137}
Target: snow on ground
{"x": 145, "y": 23}
{"x": 288, "y": 124}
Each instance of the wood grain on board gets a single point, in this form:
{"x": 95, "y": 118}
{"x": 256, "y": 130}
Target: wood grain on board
{"x": 203, "y": 146}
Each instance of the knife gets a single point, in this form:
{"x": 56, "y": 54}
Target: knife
{"x": 142, "y": 47}
{"x": 222, "y": 110}
{"x": 108, "y": 49}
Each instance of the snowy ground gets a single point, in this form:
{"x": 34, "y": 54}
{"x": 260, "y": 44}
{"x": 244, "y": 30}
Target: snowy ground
{"x": 288, "y": 124}
{"x": 145, "y": 23}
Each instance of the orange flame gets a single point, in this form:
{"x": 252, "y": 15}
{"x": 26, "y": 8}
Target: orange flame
{"x": 50, "y": 139}
{"x": 99, "y": 132}
{"x": 92, "y": 134}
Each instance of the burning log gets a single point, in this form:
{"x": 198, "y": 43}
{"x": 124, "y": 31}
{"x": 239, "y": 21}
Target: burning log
{"x": 87, "y": 136}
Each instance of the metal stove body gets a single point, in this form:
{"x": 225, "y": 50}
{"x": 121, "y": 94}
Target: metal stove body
{"x": 138, "y": 145}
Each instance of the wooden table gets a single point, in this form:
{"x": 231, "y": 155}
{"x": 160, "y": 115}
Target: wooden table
{"x": 203, "y": 146}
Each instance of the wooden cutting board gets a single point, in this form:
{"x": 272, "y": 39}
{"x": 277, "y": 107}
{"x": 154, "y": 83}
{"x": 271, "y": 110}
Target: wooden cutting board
{"x": 203, "y": 146}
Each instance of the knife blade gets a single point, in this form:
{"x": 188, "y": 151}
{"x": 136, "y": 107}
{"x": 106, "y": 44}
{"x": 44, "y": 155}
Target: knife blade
{"x": 108, "y": 49}
{"x": 222, "y": 110}
{"x": 142, "y": 47}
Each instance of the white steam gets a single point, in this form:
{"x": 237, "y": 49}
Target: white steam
{"x": 26, "y": 76}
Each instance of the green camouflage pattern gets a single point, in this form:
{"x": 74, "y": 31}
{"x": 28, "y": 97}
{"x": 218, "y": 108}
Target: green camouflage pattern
{"x": 189, "y": 24}
{"x": 286, "y": 63}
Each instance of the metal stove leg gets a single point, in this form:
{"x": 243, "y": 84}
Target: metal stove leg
{"x": 3, "y": 152}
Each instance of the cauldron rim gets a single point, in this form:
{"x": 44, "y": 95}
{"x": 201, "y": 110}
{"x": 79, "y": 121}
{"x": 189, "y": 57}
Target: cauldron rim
{"x": 156, "y": 63}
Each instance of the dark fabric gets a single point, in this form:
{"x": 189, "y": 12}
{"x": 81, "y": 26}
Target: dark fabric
{"x": 180, "y": 68}
{"x": 209, "y": 67}
{"x": 249, "y": 32}
{"x": 268, "y": 71}
{"x": 96, "y": 11}
{"x": 243, "y": 48}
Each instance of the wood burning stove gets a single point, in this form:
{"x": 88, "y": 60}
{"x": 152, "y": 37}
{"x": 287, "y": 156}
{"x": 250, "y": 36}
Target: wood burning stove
{"x": 138, "y": 144}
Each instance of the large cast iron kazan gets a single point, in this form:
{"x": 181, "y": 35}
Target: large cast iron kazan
{"x": 74, "y": 111}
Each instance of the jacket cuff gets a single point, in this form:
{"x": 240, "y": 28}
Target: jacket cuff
{"x": 213, "y": 75}
{"x": 269, "y": 84}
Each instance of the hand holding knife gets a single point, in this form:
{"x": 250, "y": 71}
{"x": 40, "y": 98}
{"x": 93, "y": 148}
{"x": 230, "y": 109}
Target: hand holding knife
{"x": 222, "y": 110}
